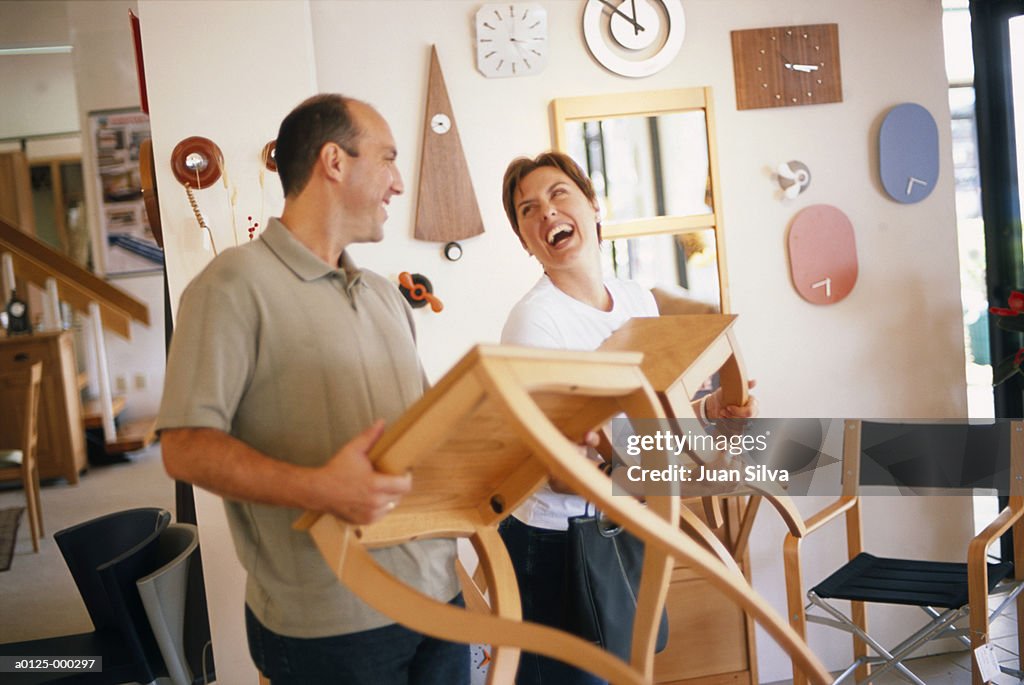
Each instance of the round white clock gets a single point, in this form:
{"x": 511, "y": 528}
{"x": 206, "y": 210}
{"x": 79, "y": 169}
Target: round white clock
{"x": 634, "y": 38}
{"x": 440, "y": 123}
{"x": 511, "y": 39}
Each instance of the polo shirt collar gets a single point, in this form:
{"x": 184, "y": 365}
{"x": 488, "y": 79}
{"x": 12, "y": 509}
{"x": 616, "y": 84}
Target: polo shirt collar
{"x": 300, "y": 260}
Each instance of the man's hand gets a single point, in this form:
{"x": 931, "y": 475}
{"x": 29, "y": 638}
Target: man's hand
{"x": 349, "y": 487}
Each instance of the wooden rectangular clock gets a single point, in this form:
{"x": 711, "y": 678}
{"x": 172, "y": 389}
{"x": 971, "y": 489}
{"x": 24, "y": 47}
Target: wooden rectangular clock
{"x": 786, "y": 66}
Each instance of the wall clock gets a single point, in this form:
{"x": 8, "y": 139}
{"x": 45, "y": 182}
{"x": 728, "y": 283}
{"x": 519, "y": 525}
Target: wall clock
{"x": 511, "y": 39}
{"x": 446, "y": 206}
{"x": 634, "y": 38}
{"x": 786, "y": 66}
{"x": 908, "y": 153}
{"x": 822, "y": 254}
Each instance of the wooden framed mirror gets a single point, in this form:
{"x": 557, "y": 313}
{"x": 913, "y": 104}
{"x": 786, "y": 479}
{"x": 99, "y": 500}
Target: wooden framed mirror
{"x": 653, "y": 160}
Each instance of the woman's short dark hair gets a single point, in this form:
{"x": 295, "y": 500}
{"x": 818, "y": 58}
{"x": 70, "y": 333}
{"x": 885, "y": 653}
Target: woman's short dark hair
{"x": 521, "y": 167}
{"x": 317, "y": 121}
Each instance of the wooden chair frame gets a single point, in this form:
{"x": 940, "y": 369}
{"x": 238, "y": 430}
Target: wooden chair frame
{"x": 31, "y": 381}
{"x": 479, "y": 443}
{"x": 849, "y": 505}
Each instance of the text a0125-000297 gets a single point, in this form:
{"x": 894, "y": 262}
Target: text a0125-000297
{"x": 50, "y": 664}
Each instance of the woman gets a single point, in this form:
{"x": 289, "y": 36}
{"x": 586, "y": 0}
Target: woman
{"x": 553, "y": 209}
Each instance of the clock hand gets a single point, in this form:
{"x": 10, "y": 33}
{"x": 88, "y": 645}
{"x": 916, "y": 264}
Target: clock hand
{"x": 806, "y": 68}
{"x": 636, "y": 26}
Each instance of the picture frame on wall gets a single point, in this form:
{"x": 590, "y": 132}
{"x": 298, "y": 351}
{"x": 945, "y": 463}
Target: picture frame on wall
{"x": 128, "y": 243}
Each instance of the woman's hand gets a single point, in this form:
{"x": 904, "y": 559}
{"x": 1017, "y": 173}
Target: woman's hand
{"x": 714, "y": 410}
{"x": 591, "y": 440}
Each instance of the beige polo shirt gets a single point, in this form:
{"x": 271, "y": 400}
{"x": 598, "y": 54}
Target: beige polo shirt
{"x": 295, "y": 358}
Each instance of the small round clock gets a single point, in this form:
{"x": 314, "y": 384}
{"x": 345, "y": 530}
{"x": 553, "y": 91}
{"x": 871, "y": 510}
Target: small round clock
{"x": 634, "y": 38}
{"x": 511, "y": 39}
{"x": 440, "y": 123}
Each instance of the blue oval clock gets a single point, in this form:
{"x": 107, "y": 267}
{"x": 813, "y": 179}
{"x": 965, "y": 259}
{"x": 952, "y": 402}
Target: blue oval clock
{"x": 908, "y": 153}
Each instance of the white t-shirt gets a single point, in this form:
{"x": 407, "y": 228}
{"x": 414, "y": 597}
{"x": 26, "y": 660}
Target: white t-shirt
{"x": 547, "y": 317}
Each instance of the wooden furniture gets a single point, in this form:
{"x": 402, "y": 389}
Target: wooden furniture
{"x": 478, "y": 443}
{"x": 710, "y": 639}
{"x": 23, "y": 459}
{"x": 923, "y": 455}
{"x": 61, "y": 452}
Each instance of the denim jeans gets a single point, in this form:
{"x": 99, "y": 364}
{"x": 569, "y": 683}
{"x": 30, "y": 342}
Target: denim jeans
{"x": 391, "y": 655}
{"x": 538, "y": 556}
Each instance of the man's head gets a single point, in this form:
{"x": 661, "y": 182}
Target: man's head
{"x": 522, "y": 167}
{"x": 346, "y": 148}
{"x": 317, "y": 121}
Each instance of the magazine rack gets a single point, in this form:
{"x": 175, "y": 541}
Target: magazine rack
{"x": 479, "y": 443}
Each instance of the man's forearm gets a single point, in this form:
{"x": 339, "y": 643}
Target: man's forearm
{"x": 226, "y": 466}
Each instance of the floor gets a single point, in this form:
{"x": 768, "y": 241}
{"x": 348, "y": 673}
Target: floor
{"x": 955, "y": 668}
{"x": 38, "y": 588}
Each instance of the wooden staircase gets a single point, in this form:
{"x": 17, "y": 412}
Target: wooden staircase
{"x": 131, "y": 435}
{"x": 23, "y": 260}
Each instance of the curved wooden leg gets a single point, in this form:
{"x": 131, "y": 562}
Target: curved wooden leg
{"x": 496, "y": 567}
{"x": 652, "y": 592}
{"x": 361, "y": 574}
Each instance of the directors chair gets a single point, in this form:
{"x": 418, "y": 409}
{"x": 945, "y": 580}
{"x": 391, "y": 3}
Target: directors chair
{"x": 950, "y": 456}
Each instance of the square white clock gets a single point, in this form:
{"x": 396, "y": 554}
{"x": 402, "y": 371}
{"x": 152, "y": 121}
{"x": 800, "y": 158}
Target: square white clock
{"x": 511, "y": 39}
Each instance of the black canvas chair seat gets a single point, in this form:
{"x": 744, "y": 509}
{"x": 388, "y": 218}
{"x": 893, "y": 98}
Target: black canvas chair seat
{"x": 868, "y": 578}
{"x": 960, "y": 600}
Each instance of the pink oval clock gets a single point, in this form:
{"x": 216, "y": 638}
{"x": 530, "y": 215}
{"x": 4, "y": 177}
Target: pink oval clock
{"x": 822, "y": 254}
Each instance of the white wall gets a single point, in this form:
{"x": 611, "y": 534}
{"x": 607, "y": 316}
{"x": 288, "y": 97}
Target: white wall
{"x": 893, "y": 348}
{"x": 43, "y": 84}
{"x": 234, "y": 90}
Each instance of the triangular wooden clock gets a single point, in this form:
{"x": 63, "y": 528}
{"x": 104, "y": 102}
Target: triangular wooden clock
{"x": 446, "y": 207}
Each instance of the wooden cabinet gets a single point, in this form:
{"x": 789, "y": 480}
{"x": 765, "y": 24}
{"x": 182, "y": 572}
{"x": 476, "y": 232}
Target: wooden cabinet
{"x": 711, "y": 640}
{"x": 61, "y": 436}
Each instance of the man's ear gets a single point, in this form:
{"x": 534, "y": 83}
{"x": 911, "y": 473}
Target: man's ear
{"x": 333, "y": 159}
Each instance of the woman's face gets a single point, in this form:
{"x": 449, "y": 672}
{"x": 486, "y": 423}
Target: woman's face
{"x": 557, "y": 223}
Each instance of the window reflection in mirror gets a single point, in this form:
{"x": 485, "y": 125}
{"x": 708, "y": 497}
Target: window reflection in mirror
{"x": 645, "y": 166}
{"x": 686, "y": 261}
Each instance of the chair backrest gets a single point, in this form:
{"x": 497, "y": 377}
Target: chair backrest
{"x": 101, "y": 541}
{"x": 30, "y": 438}
{"x": 163, "y": 594}
{"x": 27, "y": 384}
{"x": 950, "y": 455}
{"x": 119, "y": 577}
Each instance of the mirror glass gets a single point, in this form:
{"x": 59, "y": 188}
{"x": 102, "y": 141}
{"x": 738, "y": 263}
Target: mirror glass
{"x": 684, "y": 260}
{"x": 651, "y": 158}
{"x": 644, "y": 166}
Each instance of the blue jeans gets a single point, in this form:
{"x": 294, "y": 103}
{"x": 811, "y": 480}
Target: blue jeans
{"x": 538, "y": 556}
{"x": 391, "y": 655}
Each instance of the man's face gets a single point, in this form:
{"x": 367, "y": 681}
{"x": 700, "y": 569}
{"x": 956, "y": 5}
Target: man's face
{"x": 372, "y": 178}
{"x": 557, "y": 223}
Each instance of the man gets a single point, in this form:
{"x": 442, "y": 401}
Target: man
{"x": 286, "y": 362}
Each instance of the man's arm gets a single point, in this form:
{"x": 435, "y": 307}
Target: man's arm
{"x": 346, "y": 486}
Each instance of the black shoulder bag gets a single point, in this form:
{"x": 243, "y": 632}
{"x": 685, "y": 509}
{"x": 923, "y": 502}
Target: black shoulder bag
{"x": 603, "y": 567}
